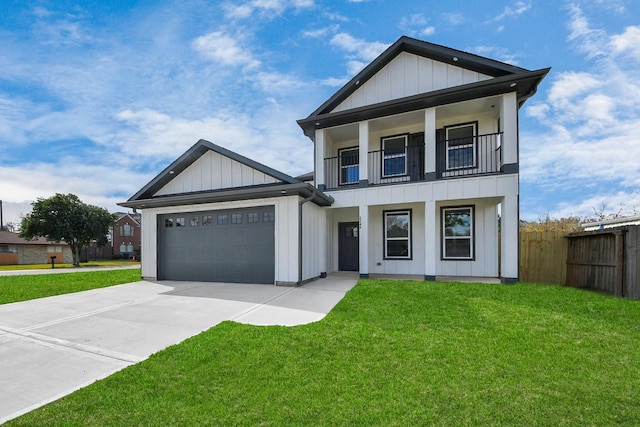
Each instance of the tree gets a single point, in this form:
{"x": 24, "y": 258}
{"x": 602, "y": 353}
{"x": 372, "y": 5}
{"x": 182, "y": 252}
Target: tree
{"x": 64, "y": 217}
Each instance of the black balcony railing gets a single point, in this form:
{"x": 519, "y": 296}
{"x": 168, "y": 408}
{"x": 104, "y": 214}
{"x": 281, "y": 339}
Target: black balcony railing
{"x": 476, "y": 155}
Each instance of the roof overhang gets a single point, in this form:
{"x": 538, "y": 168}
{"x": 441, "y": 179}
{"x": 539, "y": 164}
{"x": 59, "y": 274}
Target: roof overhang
{"x": 300, "y": 189}
{"x": 525, "y": 84}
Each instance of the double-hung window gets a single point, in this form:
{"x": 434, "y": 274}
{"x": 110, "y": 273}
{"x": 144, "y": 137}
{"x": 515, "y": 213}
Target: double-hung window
{"x": 394, "y": 156}
{"x": 457, "y": 233}
{"x": 461, "y": 146}
{"x": 349, "y": 166}
{"x": 397, "y": 234}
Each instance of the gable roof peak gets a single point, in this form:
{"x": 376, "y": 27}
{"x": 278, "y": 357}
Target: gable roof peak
{"x": 425, "y": 49}
{"x": 196, "y": 151}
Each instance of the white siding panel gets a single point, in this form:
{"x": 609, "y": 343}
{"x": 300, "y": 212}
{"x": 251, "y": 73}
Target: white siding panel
{"x": 425, "y": 75}
{"x": 411, "y": 75}
{"x": 454, "y": 76}
{"x": 407, "y": 75}
{"x": 396, "y": 78}
{"x": 313, "y": 241}
{"x": 383, "y": 84}
{"x": 213, "y": 172}
{"x": 439, "y": 75}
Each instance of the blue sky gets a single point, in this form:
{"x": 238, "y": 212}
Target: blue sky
{"x": 97, "y": 97}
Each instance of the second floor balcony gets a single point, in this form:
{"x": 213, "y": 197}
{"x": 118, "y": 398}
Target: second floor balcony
{"x": 404, "y": 161}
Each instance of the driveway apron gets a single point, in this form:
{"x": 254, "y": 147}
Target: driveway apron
{"x": 52, "y": 346}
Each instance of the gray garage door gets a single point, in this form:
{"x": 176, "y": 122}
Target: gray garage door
{"x": 236, "y": 245}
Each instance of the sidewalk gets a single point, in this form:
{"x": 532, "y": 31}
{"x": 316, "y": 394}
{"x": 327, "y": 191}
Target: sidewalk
{"x": 64, "y": 270}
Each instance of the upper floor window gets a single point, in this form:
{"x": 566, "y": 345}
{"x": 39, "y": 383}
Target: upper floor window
{"x": 126, "y": 230}
{"x": 461, "y": 146}
{"x": 394, "y": 155}
{"x": 457, "y": 233}
{"x": 349, "y": 166}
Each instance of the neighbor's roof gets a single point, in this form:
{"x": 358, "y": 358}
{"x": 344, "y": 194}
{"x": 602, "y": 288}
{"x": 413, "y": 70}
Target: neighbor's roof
{"x": 288, "y": 185}
{"x": 506, "y": 78}
{"x": 611, "y": 223}
{"x": 10, "y": 238}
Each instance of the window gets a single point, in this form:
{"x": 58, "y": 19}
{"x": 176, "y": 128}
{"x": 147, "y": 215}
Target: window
{"x": 194, "y": 221}
{"x": 461, "y": 146}
{"x": 180, "y": 222}
{"x": 126, "y": 230}
{"x": 267, "y": 216}
{"x": 236, "y": 218}
{"x": 394, "y": 156}
{"x": 457, "y": 233}
{"x": 349, "y": 166}
{"x": 397, "y": 235}
{"x": 223, "y": 219}
{"x": 8, "y": 249}
{"x": 253, "y": 217}
{"x": 168, "y": 222}
{"x": 207, "y": 220}
{"x": 54, "y": 249}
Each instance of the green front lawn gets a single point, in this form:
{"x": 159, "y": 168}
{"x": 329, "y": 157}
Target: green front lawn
{"x": 391, "y": 353}
{"x": 22, "y": 288}
{"x": 105, "y": 263}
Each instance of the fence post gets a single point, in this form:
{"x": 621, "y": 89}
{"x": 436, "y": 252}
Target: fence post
{"x": 619, "y": 290}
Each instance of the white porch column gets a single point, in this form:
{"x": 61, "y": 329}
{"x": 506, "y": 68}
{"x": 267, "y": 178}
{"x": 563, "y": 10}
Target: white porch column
{"x": 509, "y": 239}
{"x": 431, "y": 240}
{"x": 430, "y": 144}
{"x": 319, "y": 159}
{"x": 509, "y": 124}
{"x": 364, "y": 240}
{"x": 363, "y": 144}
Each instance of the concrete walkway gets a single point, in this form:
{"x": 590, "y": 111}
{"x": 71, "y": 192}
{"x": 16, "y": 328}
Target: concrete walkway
{"x": 50, "y": 347}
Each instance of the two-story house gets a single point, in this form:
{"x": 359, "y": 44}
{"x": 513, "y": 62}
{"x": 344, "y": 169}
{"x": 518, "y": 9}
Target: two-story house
{"x": 416, "y": 172}
{"x": 126, "y": 236}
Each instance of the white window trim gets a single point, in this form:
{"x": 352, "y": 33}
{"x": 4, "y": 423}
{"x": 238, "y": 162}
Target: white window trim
{"x": 471, "y": 236}
{"x": 409, "y": 256}
{"x": 474, "y": 125}
{"x": 394, "y": 156}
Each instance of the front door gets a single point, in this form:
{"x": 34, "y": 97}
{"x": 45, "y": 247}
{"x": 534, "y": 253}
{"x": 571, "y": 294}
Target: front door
{"x": 348, "y": 246}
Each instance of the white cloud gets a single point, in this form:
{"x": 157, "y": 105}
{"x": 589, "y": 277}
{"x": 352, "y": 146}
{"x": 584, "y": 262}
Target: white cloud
{"x": 358, "y": 48}
{"x": 627, "y": 43}
{"x": 265, "y": 8}
{"x": 495, "y": 52}
{"x": 589, "y": 148}
{"x": 452, "y": 18}
{"x": 518, "y": 8}
{"x": 224, "y": 49}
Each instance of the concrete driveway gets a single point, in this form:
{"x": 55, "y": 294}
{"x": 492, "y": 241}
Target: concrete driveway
{"x": 53, "y": 346}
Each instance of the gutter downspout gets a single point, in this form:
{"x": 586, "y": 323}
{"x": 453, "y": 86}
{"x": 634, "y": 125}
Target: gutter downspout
{"x": 300, "y": 203}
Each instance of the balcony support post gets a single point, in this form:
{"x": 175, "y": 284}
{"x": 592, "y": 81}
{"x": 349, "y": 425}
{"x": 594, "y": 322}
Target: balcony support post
{"x": 430, "y": 144}
{"x": 363, "y": 145}
{"x": 431, "y": 241}
{"x": 319, "y": 156}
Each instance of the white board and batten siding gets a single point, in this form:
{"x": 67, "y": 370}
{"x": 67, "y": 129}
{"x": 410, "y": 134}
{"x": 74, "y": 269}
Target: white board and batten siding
{"x": 213, "y": 171}
{"x": 406, "y": 75}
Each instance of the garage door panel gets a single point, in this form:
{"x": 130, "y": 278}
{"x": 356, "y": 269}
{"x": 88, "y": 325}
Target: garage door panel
{"x": 210, "y": 247}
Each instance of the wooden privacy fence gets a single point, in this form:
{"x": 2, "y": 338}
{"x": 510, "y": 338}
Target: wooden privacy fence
{"x": 606, "y": 260}
{"x": 543, "y": 257}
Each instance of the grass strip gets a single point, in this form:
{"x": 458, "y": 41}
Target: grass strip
{"x": 392, "y": 353}
{"x": 114, "y": 263}
{"x": 27, "y": 287}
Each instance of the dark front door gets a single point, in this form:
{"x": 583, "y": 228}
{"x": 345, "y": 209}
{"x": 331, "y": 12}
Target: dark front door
{"x": 348, "y": 246}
